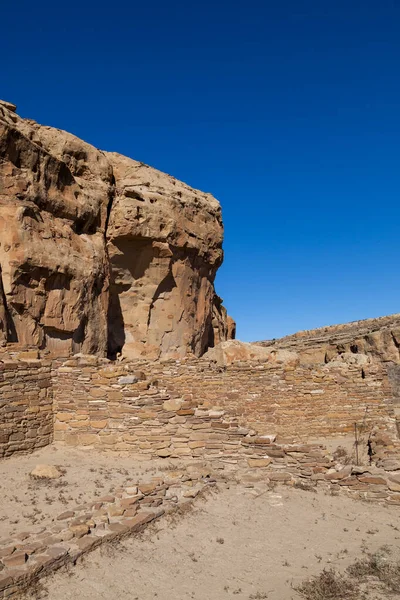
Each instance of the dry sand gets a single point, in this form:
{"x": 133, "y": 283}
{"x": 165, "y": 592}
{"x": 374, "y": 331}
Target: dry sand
{"x": 30, "y": 504}
{"x": 242, "y": 543}
{"x": 246, "y": 542}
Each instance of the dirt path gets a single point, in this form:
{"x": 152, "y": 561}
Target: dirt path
{"x": 242, "y": 543}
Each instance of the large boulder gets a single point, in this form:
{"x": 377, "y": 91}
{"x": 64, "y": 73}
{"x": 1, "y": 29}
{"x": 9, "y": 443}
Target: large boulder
{"x": 100, "y": 253}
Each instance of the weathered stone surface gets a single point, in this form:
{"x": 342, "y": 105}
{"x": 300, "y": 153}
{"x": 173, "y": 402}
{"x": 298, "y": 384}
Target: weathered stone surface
{"x": 372, "y": 480}
{"x": 173, "y": 405}
{"x": 128, "y": 380}
{"x": 8, "y": 105}
{"x": 128, "y": 502}
{"x": 46, "y": 472}
{"x": 164, "y": 243}
{"x": 393, "y": 486}
{"x": 147, "y": 488}
{"x": 390, "y": 465}
{"x": 79, "y": 530}
{"x": 54, "y": 193}
{"x": 65, "y": 515}
{"x": 280, "y": 476}
{"x": 377, "y": 338}
{"x": 164, "y": 452}
{"x": 100, "y": 252}
{"x": 15, "y": 560}
{"x": 259, "y": 462}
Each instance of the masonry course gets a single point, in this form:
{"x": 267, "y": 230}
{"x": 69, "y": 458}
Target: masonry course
{"x": 260, "y": 419}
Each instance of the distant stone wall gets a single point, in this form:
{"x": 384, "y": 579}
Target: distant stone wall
{"x": 26, "y": 406}
{"x": 197, "y": 409}
{"x": 297, "y": 402}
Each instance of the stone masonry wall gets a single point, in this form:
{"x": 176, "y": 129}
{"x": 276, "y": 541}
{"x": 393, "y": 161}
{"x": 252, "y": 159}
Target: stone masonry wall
{"x": 129, "y": 408}
{"x": 26, "y": 406}
{"x": 301, "y": 402}
{"x": 197, "y": 409}
{"x": 186, "y": 408}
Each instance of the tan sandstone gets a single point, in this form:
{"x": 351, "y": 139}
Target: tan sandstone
{"x": 100, "y": 253}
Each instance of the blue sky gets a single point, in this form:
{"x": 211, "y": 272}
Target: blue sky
{"x": 288, "y": 112}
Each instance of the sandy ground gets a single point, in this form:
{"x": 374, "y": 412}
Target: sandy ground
{"x": 27, "y": 504}
{"x": 244, "y": 543}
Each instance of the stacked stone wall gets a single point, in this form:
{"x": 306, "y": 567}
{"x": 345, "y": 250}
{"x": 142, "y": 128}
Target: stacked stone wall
{"x": 26, "y": 406}
{"x": 198, "y": 409}
{"x": 187, "y": 408}
{"x": 135, "y": 407}
{"x": 190, "y": 409}
{"x": 295, "y": 402}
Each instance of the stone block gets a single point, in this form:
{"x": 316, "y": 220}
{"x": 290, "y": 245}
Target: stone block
{"x": 279, "y": 476}
{"x": 84, "y": 424}
{"x": 29, "y": 355}
{"x": 127, "y": 380}
{"x": 164, "y": 452}
{"x": 115, "y": 511}
{"x": 147, "y": 488}
{"x": 371, "y": 480}
{"x": 172, "y": 405}
{"x": 258, "y": 462}
{"x": 197, "y": 444}
{"x": 64, "y": 416}
{"x": 96, "y": 392}
{"x": 68, "y": 514}
{"x": 100, "y": 424}
{"x": 79, "y": 530}
{"x": 128, "y": 502}
{"x": 111, "y": 372}
{"x": 46, "y": 472}
{"x": 16, "y": 559}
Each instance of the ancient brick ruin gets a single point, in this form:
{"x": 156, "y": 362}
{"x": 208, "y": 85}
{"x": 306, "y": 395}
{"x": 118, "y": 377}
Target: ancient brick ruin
{"x": 192, "y": 408}
{"x": 253, "y": 416}
{"x": 92, "y": 264}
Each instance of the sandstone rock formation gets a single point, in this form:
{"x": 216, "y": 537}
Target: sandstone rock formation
{"x": 100, "y": 253}
{"x": 377, "y": 338}
{"x": 165, "y": 246}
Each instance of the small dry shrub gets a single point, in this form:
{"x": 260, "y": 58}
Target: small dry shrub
{"x": 375, "y": 565}
{"x": 328, "y": 585}
{"x": 171, "y": 467}
{"x": 341, "y": 455}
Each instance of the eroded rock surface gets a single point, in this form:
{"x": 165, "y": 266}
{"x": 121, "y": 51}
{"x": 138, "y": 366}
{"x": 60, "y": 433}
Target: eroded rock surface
{"x": 101, "y": 253}
{"x": 376, "y": 338}
{"x": 165, "y": 246}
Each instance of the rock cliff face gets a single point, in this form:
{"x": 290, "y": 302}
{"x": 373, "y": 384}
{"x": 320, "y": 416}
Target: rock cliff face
{"x": 377, "y": 338}
{"x": 100, "y": 253}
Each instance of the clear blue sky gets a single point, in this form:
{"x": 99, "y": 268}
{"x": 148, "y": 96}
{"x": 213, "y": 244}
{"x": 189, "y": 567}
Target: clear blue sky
{"x": 288, "y": 112}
